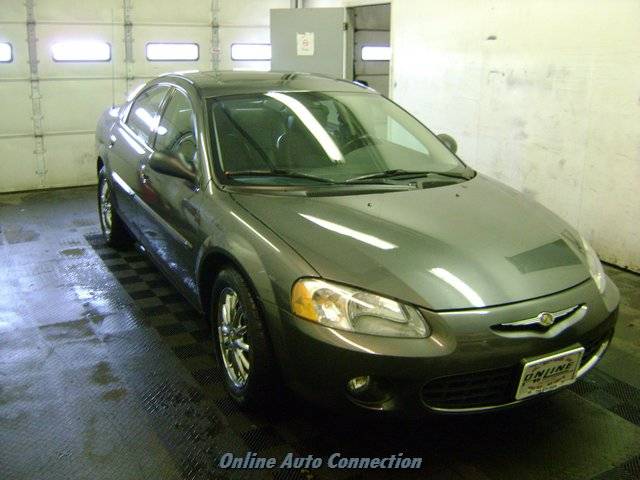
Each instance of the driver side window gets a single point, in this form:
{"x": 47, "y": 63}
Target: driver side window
{"x": 176, "y": 133}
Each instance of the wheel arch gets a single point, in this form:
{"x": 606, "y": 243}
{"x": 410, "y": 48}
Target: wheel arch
{"x": 212, "y": 262}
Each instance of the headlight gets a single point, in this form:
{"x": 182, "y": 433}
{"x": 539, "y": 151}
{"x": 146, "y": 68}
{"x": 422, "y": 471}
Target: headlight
{"x": 595, "y": 267}
{"x": 350, "y": 309}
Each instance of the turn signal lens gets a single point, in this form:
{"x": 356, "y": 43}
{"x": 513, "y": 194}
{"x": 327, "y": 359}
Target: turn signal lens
{"x": 595, "y": 266}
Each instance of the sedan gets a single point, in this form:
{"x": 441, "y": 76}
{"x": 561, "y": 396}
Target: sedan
{"x": 339, "y": 248}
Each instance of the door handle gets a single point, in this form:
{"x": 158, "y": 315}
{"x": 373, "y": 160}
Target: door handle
{"x": 192, "y": 209}
{"x": 112, "y": 141}
{"x": 144, "y": 178}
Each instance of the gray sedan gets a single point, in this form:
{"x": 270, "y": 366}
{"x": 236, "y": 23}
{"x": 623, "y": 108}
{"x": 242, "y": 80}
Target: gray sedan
{"x": 341, "y": 249}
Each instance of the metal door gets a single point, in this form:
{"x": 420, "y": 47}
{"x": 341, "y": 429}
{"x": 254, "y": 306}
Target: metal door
{"x": 371, "y": 29}
{"x": 314, "y": 40}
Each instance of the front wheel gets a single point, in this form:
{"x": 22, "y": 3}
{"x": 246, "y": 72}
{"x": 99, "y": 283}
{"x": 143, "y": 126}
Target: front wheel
{"x": 113, "y": 229}
{"x": 242, "y": 343}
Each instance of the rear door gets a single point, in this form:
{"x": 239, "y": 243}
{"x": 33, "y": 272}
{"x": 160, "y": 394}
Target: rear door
{"x": 129, "y": 145}
{"x": 172, "y": 223}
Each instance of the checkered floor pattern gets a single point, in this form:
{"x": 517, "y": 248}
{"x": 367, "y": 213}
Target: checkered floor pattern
{"x": 212, "y": 423}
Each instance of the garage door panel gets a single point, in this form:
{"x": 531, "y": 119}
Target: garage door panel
{"x": 16, "y": 108}
{"x": 145, "y": 34}
{"x": 50, "y": 34}
{"x": 231, "y": 35}
{"x": 16, "y": 35}
{"x": 70, "y": 160}
{"x": 186, "y": 11}
{"x": 13, "y": 11}
{"x": 18, "y": 166}
{"x": 88, "y": 97}
{"x": 249, "y": 12}
{"x": 70, "y": 11}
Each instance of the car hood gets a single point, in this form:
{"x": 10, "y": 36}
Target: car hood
{"x": 469, "y": 245}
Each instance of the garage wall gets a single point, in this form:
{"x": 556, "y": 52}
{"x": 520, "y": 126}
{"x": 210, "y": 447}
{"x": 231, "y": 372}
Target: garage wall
{"x": 49, "y": 109}
{"x": 542, "y": 95}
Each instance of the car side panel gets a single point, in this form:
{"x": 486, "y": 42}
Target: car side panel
{"x": 270, "y": 263}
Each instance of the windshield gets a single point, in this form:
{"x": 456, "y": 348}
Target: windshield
{"x": 309, "y": 138}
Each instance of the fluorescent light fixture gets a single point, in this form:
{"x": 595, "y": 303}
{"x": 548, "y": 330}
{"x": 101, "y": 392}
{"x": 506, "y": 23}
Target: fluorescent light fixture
{"x": 375, "y": 53}
{"x": 349, "y": 232}
{"x": 6, "y": 52}
{"x": 172, "y": 52}
{"x": 250, "y": 51}
{"x": 306, "y": 117}
{"x": 81, "y": 51}
{"x": 458, "y": 284}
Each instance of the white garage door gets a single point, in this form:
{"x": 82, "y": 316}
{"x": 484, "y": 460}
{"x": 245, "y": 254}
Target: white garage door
{"x": 50, "y": 105}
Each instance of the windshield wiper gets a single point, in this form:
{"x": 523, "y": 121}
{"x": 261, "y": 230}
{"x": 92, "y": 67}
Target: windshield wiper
{"x": 398, "y": 172}
{"x": 276, "y": 172}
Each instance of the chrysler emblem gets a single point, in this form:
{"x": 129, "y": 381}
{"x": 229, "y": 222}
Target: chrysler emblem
{"x": 545, "y": 319}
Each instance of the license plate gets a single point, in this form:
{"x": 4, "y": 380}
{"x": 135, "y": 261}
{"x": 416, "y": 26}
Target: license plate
{"x": 549, "y": 373}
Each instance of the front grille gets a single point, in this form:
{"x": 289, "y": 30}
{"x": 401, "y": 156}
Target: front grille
{"x": 487, "y": 388}
{"x": 472, "y": 390}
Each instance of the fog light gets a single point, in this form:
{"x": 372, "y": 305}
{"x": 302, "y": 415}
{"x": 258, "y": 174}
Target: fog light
{"x": 359, "y": 384}
{"x": 370, "y": 392}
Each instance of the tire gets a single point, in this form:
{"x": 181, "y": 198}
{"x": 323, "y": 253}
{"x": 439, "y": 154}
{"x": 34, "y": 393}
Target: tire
{"x": 260, "y": 383}
{"x": 113, "y": 228}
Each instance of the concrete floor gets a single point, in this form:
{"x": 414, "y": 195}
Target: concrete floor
{"x": 105, "y": 372}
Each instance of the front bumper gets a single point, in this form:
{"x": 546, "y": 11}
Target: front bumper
{"x": 463, "y": 366}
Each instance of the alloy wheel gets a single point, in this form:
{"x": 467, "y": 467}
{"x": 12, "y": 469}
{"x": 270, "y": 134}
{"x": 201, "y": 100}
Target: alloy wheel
{"x": 232, "y": 337}
{"x": 106, "y": 211}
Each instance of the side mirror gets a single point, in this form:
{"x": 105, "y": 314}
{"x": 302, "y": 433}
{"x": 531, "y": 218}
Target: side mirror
{"x": 449, "y": 142}
{"x": 170, "y": 165}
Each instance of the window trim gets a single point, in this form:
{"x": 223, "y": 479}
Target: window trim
{"x": 146, "y": 52}
{"x": 251, "y": 59}
{"x": 11, "y": 57}
{"x": 107, "y": 60}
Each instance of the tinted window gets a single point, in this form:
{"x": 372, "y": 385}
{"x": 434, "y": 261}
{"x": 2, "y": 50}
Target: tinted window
{"x": 176, "y": 132}
{"x": 143, "y": 116}
{"x": 334, "y": 135}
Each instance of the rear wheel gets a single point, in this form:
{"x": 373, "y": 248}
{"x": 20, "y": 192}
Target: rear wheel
{"x": 242, "y": 344}
{"x": 113, "y": 228}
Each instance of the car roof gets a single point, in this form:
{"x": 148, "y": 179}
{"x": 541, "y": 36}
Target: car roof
{"x": 219, "y": 83}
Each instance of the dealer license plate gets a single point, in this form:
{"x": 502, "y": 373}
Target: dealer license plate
{"x": 549, "y": 373}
